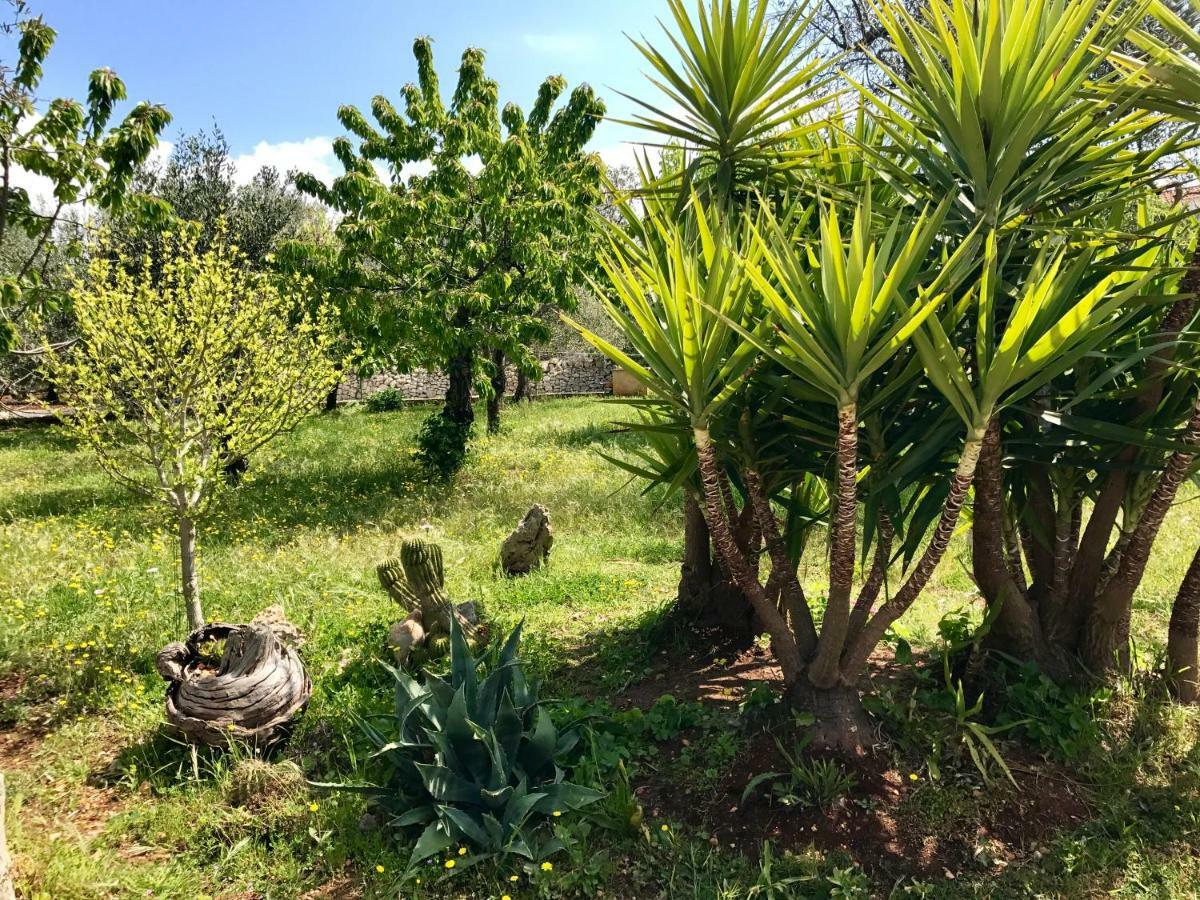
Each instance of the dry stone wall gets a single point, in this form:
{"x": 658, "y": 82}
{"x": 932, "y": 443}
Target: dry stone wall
{"x": 567, "y": 374}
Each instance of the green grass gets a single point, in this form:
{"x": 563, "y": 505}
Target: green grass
{"x": 103, "y": 805}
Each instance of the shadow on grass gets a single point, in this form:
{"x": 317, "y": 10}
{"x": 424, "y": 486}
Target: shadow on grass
{"x": 598, "y": 435}
{"x": 121, "y": 506}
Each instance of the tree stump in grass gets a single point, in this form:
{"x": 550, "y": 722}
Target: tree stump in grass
{"x": 252, "y": 695}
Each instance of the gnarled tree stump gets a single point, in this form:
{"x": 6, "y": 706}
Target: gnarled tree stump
{"x": 254, "y": 694}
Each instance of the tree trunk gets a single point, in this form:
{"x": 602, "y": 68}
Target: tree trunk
{"x": 461, "y": 371}
{"x": 1105, "y": 638}
{"x": 499, "y": 386}
{"x": 1088, "y": 569}
{"x": 7, "y": 888}
{"x": 854, "y": 659}
{"x": 260, "y": 687}
{"x": 1016, "y": 628}
{"x": 839, "y": 721}
{"x": 522, "y": 391}
{"x": 707, "y": 596}
{"x": 1183, "y": 649}
{"x": 823, "y": 671}
{"x": 187, "y": 565}
{"x": 718, "y": 506}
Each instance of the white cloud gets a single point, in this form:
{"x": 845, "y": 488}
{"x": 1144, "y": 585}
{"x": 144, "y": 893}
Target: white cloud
{"x": 628, "y": 154}
{"x": 313, "y": 155}
{"x": 561, "y": 44}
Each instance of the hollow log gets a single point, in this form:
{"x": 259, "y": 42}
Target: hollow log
{"x": 253, "y": 696}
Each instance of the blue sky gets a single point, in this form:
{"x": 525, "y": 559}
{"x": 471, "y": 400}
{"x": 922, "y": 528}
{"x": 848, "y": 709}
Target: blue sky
{"x": 272, "y": 73}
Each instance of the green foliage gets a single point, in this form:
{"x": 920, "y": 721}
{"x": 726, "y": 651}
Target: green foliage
{"x": 198, "y": 182}
{"x": 184, "y": 363}
{"x": 454, "y": 262}
{"x": 475, "y": 758}
{"x": 442, "y": 444}
{"x": 176, "y": 369}
{"x": 808, "y": 781}
{"x": 1058, "y": 720}
{"x": 735, "y": 86}
{"x": 387, "y": 400}
{"x": 70, "y": 143}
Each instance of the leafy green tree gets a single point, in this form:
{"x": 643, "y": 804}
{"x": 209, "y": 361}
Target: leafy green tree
{"x": 72, "y": 145}
{"x": 478, "y": 222}
{"x": 199, "y": 182}
{"x": 160, "y": 346}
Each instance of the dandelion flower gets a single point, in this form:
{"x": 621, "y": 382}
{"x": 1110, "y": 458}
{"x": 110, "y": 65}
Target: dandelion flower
{"x": 514, "y": 877}
{"x": 913, "y": 776}
{"x": 450, "y": 864}
{"x": 312, "y": 807}
{"x": 556, "y": 813}
{"x": 379, "y": 869}
{"x": 462, "y": 851}
{"x": 547, "y": 867}
{"x": 665, "y": 827}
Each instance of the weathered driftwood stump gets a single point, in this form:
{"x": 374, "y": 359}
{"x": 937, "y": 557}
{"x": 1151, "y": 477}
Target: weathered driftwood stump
{"x": 529, "y": 544}
{"x": 259, "y": 687}
{"x": 416, "y": 581}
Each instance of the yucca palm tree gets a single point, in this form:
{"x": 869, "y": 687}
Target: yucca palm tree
{"x": 731, "y": 104}
{"x": 733, "y": 100}
{"x": 1166, "y": 76}
{"x": 1010, "y": 106}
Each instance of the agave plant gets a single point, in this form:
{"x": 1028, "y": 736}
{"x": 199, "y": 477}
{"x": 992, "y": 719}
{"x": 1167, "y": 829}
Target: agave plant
{"x": 474, "y": 758}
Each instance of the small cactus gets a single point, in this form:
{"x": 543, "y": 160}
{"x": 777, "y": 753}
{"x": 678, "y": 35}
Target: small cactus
{"x": 416, "y": 581}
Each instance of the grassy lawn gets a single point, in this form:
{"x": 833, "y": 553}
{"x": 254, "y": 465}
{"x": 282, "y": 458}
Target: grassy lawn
{"x": 102, "y": 804}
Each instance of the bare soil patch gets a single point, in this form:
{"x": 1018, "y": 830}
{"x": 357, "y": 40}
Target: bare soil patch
{"x": 883, "y": 824}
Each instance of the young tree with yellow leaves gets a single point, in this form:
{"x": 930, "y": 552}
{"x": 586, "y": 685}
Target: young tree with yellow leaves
{"x": 185, "y": 363}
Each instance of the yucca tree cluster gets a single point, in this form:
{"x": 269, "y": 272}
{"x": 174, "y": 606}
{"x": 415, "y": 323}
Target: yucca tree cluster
{"x": 859, "y": 313}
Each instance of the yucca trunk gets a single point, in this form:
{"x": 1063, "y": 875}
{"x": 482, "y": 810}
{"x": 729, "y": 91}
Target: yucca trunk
{"x": 1087, "y": 573}
{"x": 823, "y": 672}
{"x": 719, "y": 509}
{"x": 860, "y": 645}
{"x": 1105, "y": 639}
{"x": 707, "y": 595}
{"x": 1016, "y": 627}
{"x": 1183, "y": 637}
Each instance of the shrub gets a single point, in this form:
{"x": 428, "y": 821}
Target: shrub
{"x": 442, "y": 445}
{"x": 387, "y": 400}
{"x": 475, "y": 758}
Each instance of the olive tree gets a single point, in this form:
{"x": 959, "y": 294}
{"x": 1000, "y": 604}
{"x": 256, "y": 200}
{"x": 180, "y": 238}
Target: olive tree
{"x": 184, "y": 362}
